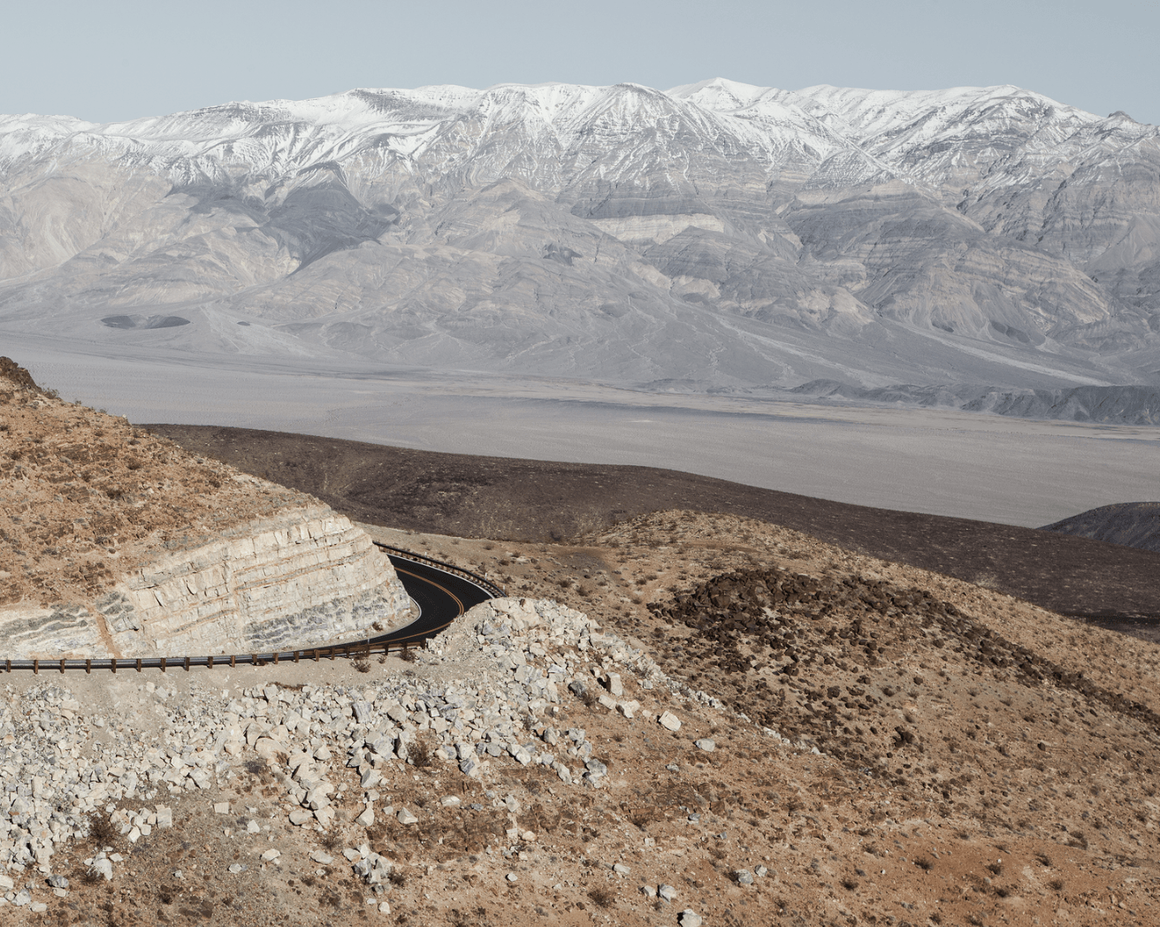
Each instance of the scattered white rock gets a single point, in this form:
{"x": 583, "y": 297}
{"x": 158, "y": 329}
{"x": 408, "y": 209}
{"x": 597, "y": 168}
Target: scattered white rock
{"x": 406, "y": 817}
{"x": 296, "y": 738}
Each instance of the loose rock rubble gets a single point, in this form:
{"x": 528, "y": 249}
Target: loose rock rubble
{"x": 485, "y": 693}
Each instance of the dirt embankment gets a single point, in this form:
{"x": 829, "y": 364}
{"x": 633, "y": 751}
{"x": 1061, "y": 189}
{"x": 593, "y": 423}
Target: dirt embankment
{"x": 86, "y": 497}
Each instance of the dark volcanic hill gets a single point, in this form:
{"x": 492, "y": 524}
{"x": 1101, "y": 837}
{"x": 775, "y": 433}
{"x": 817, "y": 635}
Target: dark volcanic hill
{"x": 1133, "y": 524}
{"x": 495, "y": 497}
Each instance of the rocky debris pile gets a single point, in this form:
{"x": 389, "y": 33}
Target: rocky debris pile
{"x": 16, "y": 375}
{"x": 484, "y": 693}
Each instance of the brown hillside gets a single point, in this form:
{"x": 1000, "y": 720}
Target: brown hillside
{"x": 978, "y": 761}
{"x": 86, "y": 496}
{"x": 541, "y": 500}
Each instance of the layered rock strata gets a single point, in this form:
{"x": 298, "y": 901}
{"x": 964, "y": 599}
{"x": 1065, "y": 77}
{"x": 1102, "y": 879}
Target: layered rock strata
{"x": 114, "y": 542}
{"x": 300, "y": 578}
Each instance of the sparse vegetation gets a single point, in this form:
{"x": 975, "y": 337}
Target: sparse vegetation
{"x": 361, "y": 661}
{"x": 421, "y": 753}
{"x": 602, "y": 897}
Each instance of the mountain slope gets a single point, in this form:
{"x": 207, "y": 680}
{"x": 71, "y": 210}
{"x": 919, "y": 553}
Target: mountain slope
{"x": 1133, "y": 524}
{"x": 115, "y": 543}
{"x": 721, "y": 233}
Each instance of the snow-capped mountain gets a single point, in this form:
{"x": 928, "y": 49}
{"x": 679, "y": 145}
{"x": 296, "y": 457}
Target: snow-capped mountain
{"x": 717, "y": 235}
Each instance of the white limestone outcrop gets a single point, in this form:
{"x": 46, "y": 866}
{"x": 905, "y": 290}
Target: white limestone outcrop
{"x": 301, "y": 578}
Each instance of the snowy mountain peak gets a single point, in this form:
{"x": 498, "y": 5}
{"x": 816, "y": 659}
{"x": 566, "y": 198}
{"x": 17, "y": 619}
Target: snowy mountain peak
{"x": 761, "y": 235}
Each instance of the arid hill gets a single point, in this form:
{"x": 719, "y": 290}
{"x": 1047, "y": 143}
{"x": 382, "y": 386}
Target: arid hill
{"x": 1132, "y": 524}
{"x": 116, "y": 542}
{"x": 943, "y": 754}
{"x": 542, "y": 500}
{"x": 861, "y": 741}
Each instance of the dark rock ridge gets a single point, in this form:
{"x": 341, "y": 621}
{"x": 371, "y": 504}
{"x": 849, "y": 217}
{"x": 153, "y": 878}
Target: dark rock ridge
{"x": 1123, "y": 405}
{"x": 1133, "y": 524}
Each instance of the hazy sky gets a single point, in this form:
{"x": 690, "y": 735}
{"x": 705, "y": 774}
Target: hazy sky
{"x": 120, "y": 59}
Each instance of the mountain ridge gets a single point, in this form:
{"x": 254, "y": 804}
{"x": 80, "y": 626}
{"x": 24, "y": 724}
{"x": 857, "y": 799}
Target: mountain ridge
{"x": 721, "y": 232}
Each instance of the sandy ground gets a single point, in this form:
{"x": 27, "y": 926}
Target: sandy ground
{"x": 996, "y": 469}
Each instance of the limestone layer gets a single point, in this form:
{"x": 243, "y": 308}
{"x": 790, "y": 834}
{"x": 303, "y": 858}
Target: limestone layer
{"x": 303, "y": 577}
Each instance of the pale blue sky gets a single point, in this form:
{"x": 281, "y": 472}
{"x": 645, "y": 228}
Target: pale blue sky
{"x": 120, "y": 59}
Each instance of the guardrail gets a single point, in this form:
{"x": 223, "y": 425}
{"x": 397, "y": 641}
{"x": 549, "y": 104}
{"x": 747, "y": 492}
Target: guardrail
{"x": 357, "y": 650}
{"x": 496, "y": 592}
{"x": 360, "y": 649}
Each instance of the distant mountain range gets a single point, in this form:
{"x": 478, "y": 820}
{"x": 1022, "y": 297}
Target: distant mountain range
{"x": 715, "y": 236}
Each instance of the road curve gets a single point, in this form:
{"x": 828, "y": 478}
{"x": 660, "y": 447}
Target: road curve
{"x": 441, "y": 596}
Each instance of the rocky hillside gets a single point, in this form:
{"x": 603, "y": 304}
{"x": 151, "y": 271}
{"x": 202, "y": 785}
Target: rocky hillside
{"x": 117, "y": 543}
{"x": 1132, "y": 524}
{"x": 758, "y": 728}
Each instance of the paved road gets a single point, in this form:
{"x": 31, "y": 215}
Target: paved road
{"x": 442, "y": 597}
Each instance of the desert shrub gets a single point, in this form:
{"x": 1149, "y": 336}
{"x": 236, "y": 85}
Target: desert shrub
{"x": 103, "y": 831}
{"x": 602, "y": 897}
{"x": 420, "y": 754}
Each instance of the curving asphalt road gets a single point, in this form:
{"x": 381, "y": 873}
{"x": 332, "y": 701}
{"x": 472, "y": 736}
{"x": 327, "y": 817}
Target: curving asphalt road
{"x": 441, "y": 596}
